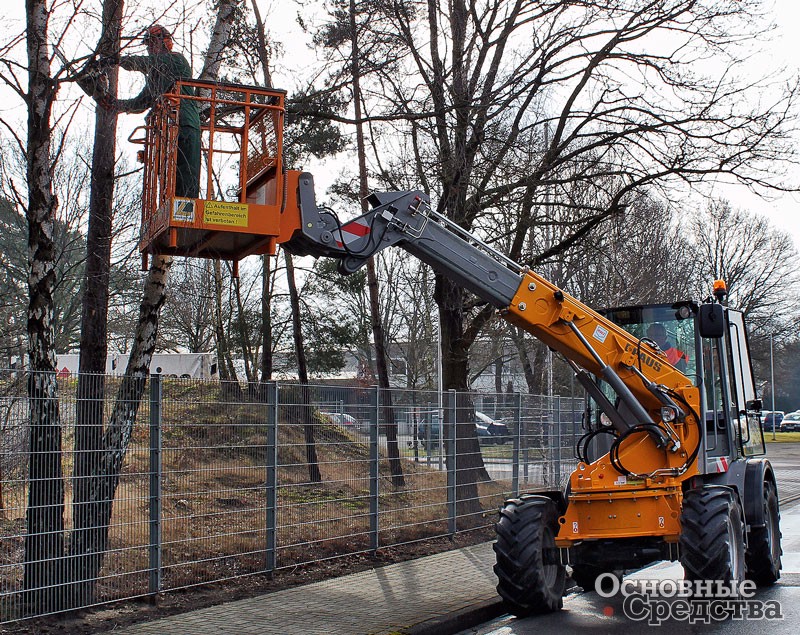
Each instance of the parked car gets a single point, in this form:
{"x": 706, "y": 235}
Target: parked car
{"x": 772, "y": 420}
{"x": 791, "y": 422}
{"x": 341, "y": 419}
{"x": 489, "y": 428}
{"x": 484, "y": 436}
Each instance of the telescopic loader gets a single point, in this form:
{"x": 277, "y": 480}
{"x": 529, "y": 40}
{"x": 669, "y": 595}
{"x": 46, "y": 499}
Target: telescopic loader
{"x": 672, "y": 465}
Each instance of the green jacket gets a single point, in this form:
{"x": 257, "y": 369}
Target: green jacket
{"x": 161, "y": 71}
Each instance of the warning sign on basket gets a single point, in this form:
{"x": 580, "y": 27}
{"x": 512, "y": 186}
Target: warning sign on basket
{"x": 221, "y": 213}
{"x": 183, "y": 210}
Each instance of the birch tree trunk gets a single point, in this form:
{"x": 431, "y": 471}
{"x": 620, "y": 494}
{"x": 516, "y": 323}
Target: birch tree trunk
{"x": 44, "y": 539}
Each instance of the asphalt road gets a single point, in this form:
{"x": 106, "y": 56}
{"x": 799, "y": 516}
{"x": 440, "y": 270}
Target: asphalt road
{"x": 591, "y": 613}
{"x": 785, "y": 459}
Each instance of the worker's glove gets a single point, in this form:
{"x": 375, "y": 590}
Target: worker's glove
{"x": 95, "y": 66}
{"x": 107, "y": 102}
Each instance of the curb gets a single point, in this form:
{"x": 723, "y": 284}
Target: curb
{"x": 459, "y": 620}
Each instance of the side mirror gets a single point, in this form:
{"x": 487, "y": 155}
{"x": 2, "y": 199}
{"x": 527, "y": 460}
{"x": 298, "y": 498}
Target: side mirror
{"x": 711, "y": 321}
{"x": 754, "y": 405}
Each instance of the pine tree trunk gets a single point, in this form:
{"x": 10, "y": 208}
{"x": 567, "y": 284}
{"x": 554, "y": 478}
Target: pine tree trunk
{"x": 247, "y": 354}
{"x": 227, "y": 373}
{"x": 266, "y": 321}
{"x": 378, "y": 333}
{"x": 267, "y": 361}
{"x": 86, "y": 559}
{"x": 314, "y": 474}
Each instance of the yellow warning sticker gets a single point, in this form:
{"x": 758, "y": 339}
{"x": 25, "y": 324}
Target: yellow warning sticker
{"x": 221, "y": 213}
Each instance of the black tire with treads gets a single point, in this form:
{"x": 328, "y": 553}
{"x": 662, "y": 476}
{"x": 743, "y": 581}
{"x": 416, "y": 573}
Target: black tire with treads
{"x": 712, "y": 535}
{"x": 763, "y": 557}
{"x": 531, "y": 578}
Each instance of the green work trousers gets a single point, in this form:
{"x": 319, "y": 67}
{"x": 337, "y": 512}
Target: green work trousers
{"x": 187, "y": 168}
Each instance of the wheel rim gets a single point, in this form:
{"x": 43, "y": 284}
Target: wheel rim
{"x": 549, "y": 567}
{"x": 772, "y": 531}
{"x": 734, "y": 551}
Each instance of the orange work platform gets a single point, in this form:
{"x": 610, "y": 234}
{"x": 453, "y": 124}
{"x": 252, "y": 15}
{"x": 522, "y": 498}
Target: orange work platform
{"x": 243, "y": 187}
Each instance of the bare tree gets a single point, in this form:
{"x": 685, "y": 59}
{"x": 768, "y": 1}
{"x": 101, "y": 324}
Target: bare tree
{"x": 88, "y": 542}
{"x": 643, "y": 255}
{"x": 227, "y": 371}
{"x": 378, "y": 334}
{"x": 70, "y": 176}
{"x": 415, "y": 329}
{"x": 304, "y": 405}
{"x": 267, "y": 277}
{"x": 753, "y": 258}
{"x": 190, "y": 325}
{"x": 514, "y": 107}
{"x": 756, "y": 261}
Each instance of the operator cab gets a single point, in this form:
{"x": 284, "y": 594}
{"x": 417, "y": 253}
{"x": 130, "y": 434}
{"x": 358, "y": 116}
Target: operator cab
{"x": 719, "y": 366}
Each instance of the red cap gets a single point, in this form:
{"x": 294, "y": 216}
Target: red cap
{"x": 158, "y": 32}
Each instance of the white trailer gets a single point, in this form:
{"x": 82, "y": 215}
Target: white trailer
{"x": 185, "y": 365}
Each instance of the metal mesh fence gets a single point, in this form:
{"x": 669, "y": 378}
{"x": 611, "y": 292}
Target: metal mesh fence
{"x": 212, "y": 481}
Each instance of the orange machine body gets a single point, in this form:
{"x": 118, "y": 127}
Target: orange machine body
{"x": 602, "y": 502}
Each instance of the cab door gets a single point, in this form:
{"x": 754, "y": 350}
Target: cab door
{"x": 749, "y": 429}
{"x": 733, "y": 427}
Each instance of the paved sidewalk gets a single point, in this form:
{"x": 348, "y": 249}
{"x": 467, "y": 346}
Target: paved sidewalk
{"x": 442, "y": 593}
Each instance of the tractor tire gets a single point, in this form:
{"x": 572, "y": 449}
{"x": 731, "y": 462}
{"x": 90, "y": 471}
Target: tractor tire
{"x": 531, "y": 578}
{"x": 712, "y": 535}
{"x": 763, "y": 557}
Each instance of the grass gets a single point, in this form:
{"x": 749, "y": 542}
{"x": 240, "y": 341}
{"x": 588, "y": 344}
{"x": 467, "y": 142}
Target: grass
{"x": 782, "y": 437}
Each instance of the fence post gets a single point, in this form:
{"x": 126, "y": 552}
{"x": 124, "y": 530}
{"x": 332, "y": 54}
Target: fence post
{"x": 531, "y": 436}
{"x": 272, "y": 476}
{"x": 517, "y": 443}
{"x": 154, "y": 585}
{"x": 557, "y": 418}
{"x": 429, "y": 428}
{"x": 547, "y": 467}
{"x": 374, "y": 490}
{"x": 452, "y": 490}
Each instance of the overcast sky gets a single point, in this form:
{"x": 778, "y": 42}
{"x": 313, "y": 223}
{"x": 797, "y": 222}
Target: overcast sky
{"x": 785, "y": 51}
